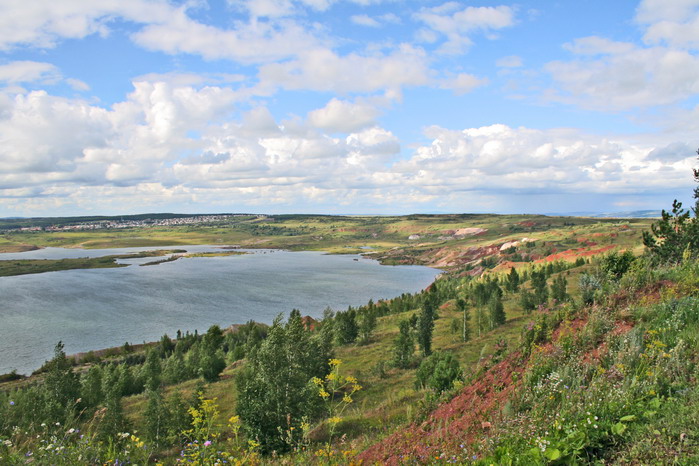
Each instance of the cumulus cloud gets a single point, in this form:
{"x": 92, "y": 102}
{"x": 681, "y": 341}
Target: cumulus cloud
{"x": 498, "y": 159}
{"x": 459, "y": 24}
{"x": 251, "y": 42}
{"x": 463, "y": 83}
{"x": 60, "y": 147}
{"x": 343, "y": 116}
{"x": 324, "y": 70}
{"x": 611, "y": 75}
{"x": 620, "y": 76}
{"x": 511, "y": 61}
{"x": 675, "y": 23}
{"x": 365, "y": 20}
{"x": 39, "y": 23}
{"x": 28, "y": 71}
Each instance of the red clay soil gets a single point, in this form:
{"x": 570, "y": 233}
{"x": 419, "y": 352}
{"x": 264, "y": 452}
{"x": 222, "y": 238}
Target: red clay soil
{"x": 459, "y": 422}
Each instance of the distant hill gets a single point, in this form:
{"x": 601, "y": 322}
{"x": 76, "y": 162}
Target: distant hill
{"x": 627, "y": 214}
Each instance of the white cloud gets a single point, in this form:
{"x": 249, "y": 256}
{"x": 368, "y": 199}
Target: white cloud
{"x": 611, "y": 75}
{"x": 675, "y": 23}
{"x": 163, "y": 27}
{"x": 253, "y": 42}
{"x": 28, "y": 71}
{"x": 459, "y": 24}
{"x": 463, "y": 83}
{"x": 78, "y": 154}
{"x": 365, "y": 20}
{"x": 343, "y": 116}
{"x": 77, "y": 84}
{"x": 511, "y": 61}
{"x": 324, "y": 70}
{"x": 500, "y": 159}
{"x": 620, "y": 77}
{"x": 40, "y": 23}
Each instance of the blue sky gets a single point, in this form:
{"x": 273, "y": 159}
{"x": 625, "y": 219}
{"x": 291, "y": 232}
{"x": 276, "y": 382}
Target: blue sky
{"x": 346, "y": 106}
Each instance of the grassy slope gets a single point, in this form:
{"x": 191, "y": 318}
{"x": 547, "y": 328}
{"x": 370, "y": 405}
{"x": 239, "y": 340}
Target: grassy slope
{"x": 385, "y": 403}
{"x": 615, "y": 382}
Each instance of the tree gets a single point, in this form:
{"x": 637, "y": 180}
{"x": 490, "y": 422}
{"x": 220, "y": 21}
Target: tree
{"x": 62, "y": 385}
{"x": 512, "y": 283}
{"x": 274, "y": 390}
{"x": 439, "y": 371}
{"x": 366, "y": 323}
{"x": 113, "y": 420}
{"x": 425, "y": 328}
{"x": 675, "y": 233}
{"x": 152, "y": 370}
{"x": 91, "y": 388}
{"x": 156, "y": 417}
{"x": 538, "y": 279}
{"x": 496, "y": 312}
{"x": 616, "y": 265}
{"x": 466, "y": 327}
{"x": 558, "y": 289}
{"x": 403, "y": 346}
{"x": 345, "y": 325}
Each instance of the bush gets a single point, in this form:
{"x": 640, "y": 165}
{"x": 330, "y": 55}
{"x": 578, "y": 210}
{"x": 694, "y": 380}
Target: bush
{"x": 438, "y": 372}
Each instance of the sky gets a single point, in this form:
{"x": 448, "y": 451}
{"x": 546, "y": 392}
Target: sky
{"x": 112, "y": 107}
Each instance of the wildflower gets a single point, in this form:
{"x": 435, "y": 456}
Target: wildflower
{"x": 335, "y": 362}
{"x": 334, "y": 420}
{"x": 207, "y": 443}
{"x": 12, "y": 403}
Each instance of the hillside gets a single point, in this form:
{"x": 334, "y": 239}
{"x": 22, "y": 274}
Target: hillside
{"x": 595, "y": 351}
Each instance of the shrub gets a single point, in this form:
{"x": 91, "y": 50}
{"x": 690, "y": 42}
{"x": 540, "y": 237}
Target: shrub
{"x": 438, "y": 372}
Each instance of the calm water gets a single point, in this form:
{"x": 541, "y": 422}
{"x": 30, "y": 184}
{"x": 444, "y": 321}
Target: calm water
{"x": 100, "y": 308}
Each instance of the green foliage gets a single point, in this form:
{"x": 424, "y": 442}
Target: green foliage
{"x": 496, "y": 312}
{"x": 62, "y": 386}
{"x": 273, "y": 391}
{"x": 403, "y": 346}
{"x": 558, "y": 289}
{"x": 438, "y": 372}
{"x": 512, "y": 283}
{"x": 462, "y": 305}
{"x": 345, "y": 326}
{"x": 539, "y": 287}
{"x": 589, "y": 285}
{"x": 366, "y": 322}
{"x": 616, "y": 265}
{"x": 425, "y": 328}
{"x": 676, "y": 234}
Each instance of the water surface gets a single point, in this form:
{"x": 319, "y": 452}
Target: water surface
{"x": 100, "y": 308}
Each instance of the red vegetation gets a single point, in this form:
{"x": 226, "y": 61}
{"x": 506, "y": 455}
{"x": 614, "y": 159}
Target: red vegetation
{"x": 461, "y": 421}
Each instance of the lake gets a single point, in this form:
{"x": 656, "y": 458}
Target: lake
{"x": 101, "y": 308}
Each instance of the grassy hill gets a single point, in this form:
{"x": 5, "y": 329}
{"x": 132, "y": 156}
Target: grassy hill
{"x": 607, "y": 374}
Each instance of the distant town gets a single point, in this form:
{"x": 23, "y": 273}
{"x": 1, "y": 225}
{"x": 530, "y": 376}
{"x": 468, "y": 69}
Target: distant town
{"x": 114, "y": 223}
